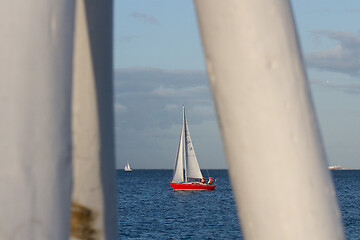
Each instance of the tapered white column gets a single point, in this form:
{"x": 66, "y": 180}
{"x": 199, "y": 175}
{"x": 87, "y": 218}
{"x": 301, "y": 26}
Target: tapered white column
{"x": 278, "y": 171}
{"x": 94, "y": 211}
{"x": 35, "y": 135}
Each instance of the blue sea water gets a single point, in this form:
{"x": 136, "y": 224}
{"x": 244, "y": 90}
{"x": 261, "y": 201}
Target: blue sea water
{"x": 347, "y": 185}
{"x": 149, "y": 209}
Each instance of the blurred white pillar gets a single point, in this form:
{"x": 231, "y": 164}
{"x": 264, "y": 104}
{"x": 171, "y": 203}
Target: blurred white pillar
{"x": 35, "y": 129}
{"x": 278, "y": 171}
{"x": 93, "y": 153}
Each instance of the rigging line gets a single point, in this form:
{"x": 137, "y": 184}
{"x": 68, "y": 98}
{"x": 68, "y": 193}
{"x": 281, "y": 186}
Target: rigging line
{"x": 207, "y": 172}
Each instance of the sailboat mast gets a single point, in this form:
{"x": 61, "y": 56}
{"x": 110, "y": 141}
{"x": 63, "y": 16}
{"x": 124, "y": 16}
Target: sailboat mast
{"x": 184, "y": 145}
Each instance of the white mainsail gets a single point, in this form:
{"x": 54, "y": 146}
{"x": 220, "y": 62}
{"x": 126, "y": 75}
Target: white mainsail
{"x": 193, "y": 169}
{"x": 185, "y": 157}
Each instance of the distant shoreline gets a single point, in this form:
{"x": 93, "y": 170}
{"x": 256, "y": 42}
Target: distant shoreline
{"x": 344, "y": 169}
{"x": 170, "y": 169}
{"x": 216, "y": 169}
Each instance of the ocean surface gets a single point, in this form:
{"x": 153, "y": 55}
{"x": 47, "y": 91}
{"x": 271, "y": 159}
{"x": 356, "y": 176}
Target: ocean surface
{"x": 149, "y": 209}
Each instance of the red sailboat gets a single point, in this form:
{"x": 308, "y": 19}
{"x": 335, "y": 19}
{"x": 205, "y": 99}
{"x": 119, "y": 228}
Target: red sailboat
{"x": 187, "y": 174}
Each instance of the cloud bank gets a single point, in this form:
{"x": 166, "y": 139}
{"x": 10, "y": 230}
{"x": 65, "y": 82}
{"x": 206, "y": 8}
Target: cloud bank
{"x": 343, "y": 58}
{"x": 148, "y": 93}
{"x": 148, "y": 105}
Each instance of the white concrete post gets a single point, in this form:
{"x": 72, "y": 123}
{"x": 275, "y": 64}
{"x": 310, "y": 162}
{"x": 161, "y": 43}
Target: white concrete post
{"x": 36, "y": 49}
{"x": 278, "y": 171}
{"x": 93, "y": 154}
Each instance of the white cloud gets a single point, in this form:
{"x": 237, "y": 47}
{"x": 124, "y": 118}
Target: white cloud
{"x": 343, "y": 58}
{"x": 180, "y": 92}
{"x": 144, "y": 17}
{"x": 119, "y": 108}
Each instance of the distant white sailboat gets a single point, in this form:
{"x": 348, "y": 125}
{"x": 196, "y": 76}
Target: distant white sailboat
{"x": 127, "y": 167}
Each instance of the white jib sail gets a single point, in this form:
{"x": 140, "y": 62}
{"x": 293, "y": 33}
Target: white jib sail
{"x": 179, "y": 166}
{"x": 193, "y": 169}
{"x": 127, "y": 166}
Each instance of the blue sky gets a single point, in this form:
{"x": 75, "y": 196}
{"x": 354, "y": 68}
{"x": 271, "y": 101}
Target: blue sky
{"x": 159, "y": 66}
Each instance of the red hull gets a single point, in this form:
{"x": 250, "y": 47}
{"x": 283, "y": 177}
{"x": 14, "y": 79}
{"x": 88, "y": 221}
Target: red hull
{"x": 192, "y": 186}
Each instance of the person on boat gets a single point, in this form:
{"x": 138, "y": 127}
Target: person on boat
{"x": 203, "y": 180}
{"x": 210, "y": 180}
